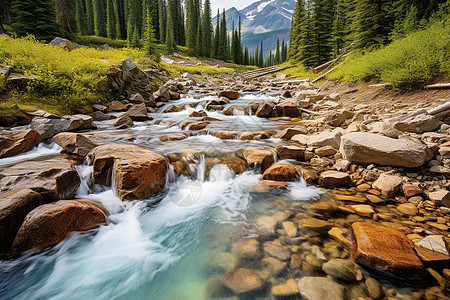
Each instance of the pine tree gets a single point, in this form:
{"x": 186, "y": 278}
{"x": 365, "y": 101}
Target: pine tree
{"x": 223, "y": 50}
{"x": 98, "y": 22}
{"x": 283, "y": 52}
{"x": 199, "y": 44}
{"x": 65, "y": 14}
{"x": 170, "y": 40}
{"x": 261, "y": 56}
{"x": 191, "y": 28}
{"x": 277, "y": 59}
{"x": 81, "y": 17}
{"x": 162, "y": 21}
{"x": 322, "y": 21}
{"x": 297, "y": 35}
{"x": 110, "y": 20}
{"x": 149, "y": 35}
{"x": 216, "y": 38}
{"x": 207, "y": 29}
{"x": 36, "y": 17}
{"x": 90, "y": 17}
{"x": 246, "y": 57}
{"x": 256, "y": 57}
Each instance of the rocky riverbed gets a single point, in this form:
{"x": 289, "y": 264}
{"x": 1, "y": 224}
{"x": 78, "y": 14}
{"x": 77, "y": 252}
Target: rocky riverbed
{"x": 216, "y": 188}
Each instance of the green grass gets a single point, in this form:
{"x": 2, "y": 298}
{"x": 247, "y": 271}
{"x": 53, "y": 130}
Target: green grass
{"x": 66, "y": 81}
{"x": 95, "y": 41}
{"x": 405, "y": 63}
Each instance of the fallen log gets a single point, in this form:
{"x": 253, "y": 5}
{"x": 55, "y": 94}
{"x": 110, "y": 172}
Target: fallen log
{"x": 292, "y": 81}
{"x": 270, "y": 72}
{"x": 380, "y": 85}
{"x": 328, "y": 64}
{"x": 438, "y": 86}
{"x": 324, "y": 74}
{"x": 441, "y": 110}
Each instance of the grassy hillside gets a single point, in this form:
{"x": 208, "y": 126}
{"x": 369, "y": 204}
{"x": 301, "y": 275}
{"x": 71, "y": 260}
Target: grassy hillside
{"x": 406, "y": 63}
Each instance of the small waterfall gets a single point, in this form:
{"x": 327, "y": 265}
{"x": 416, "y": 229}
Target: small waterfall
{"x": 201, "y": 169}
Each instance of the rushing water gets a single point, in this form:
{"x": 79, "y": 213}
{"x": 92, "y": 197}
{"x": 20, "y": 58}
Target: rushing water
{"x": 166, "y": 247}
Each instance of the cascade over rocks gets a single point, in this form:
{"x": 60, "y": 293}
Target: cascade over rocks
{"x": 368, "y": 148}
{"x": 232, "y": 95}
{"x": 49, "y": 224}
{"x": 138, "y": 172}
{"x": 18, "y": 142}
{"x": 54, "y": 179}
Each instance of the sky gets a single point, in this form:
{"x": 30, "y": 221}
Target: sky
{"x": 239, "y": 4}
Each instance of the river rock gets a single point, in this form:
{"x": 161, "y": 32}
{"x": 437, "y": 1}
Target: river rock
{"x": 341, "y": 269}
{"x": 43, "y": 126}
{"x": 100, "y": 116}
{"x": 198, "y": 114}
{"x": 265, "y": 109}
{"x": 267, "y": 224}
{"x": 389, "y": 185}
{"x": 54, "y": 179}
{"x": 260, "y": 158}
{"x": 277, "y": 251}
{"x": 138, "y": 112}
{"x": 440, "y": 197}
{"x": 342, "y": 165}
{"x": 74, "y": 143}
{"x": 281, "y": 172}
{"x": 197, "y": 126}
{"x": 288, "y": 133}
{"x": 325, "y": 151}
{"x": 319, "y": 288}
{"x": 408, "y": 209}
{"x": 117, "y": 106}
{"x": 123, "y": 120}
{"x": 417, "y": 123}
{"x": 242, "y": 281}
{"x": 374, "y": 288}
{"x": 368, "y": 148}
{"x": 171, "y": 108}
{"x": 162, "y": 95}
{"x": 364, "y": 210}
{"x": 334, "y": 119}
{"x": 49, "y": 224}
{"x": 291, "y": 152}
{"x": 314, "y": 224}
{"x": 17, "y": 142}
{"x": 411, "y": 190}
{"x": 74, "y": 123}
{"x": 138, "y": 172}
{"x": 246, "y": 249}
{"x": 288, "y": 108}
{"x": 100, "y": 108}
{"x": 433, "y": 248}
{"x": 232, "y": 95}
{"x": 324, "y": 138}
{"x": 14, "y": 206}
{"x": 287, "y": 290}
{"x": 290, "y": 228}
{"x": 385, "y": 249}
{"x": 334, "y": 179}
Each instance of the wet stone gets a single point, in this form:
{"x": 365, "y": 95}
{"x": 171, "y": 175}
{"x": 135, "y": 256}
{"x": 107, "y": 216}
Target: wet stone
{"x": 246, "y": 249}
{"x": 277, "y": 251}
{"x": 242, "y": 281}
{"x": 319, "y": 288}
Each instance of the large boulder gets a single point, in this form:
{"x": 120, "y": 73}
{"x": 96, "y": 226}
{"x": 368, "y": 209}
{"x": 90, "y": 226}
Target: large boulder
{"x": 288, "y": 108}
{"x": 43, "y": 126}
{"x": 14, "y": 206}
{"x": 281, "y": 172}
{"x": 242, "y": 281}
{"x": 138, "y": 172}
{"x": 73, "y": 123}
{"x": 265, "y": 109}
{"x": 18, "y": 142}
{"x": 54, "y": 179}
{"x": 259, "y": 158}
{"x": 232, "y": 95}
{"x": 49, "y": 224}
{"x": 385, "y": 249}
{"x": 319, "y": 288}
{"x": 325, "y": 138}
{"x": 74, "y": 143}
{"x": 138, "y": 112}
{"x": 368, "y": 148}
{"x": 163, "y": 94}
{"x": 417, "y": 123}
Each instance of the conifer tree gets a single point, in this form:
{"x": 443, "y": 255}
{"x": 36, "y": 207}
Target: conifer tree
{"x": 110, "y": 20}
{"x": 162, "y": 21}
{"x": 191, "y": 28}
{"x": 65, "y": 14}
{"x": 283, "y": 52}
{"x": 207, "y": 29}
{"x": 90, "y": 17}
{"x": 149, "y": 35}
{"x": 170, "y": 40}
{"x": 297, "y": 27}
{"x": 199, "y": 43}
{"x": 37, "y": 17}
{"x": 277, "y": 59}
{"x": 223, "y": 50}
{"x": 81, "y": 17}
{"x": 261, "y": 56}
{"x": 246, "y": 61}
{"x": 216, "y": 38}
{"x": 98, "y": 20}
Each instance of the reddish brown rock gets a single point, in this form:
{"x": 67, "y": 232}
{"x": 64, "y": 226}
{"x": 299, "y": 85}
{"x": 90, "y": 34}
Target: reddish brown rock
{"x": 117, "y": 106}
{"x": 389, "y": 185}
{"x": 411, "y": 190}
{"x": 138, "y": 172}
{"x": 288, "y": 133}
{"x": 198, "y": 114}
{"x": 291, "y": 152}
{"x": 334, "y": 179}
{"x": 281, "y": 172}
{"x": 242, "y": 281}
{"x": 262, "y": 158}
{"x": 74, "y": 143}
{"x": 197, "y": 126}
{"x": 223, "y": 135}
{"x": 14, "y": 206}
{"x": 49, "y": 224}
{"x": 18, "y": 142}
{"x": 232, "y": 95}
{"x": 55, "y": 178}
{"x": 138, "y": 112}
{"x": 385, "y": 249}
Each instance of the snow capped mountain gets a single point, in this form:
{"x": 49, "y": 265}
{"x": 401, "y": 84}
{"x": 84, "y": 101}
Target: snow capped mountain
{"x": 264, "y": 20}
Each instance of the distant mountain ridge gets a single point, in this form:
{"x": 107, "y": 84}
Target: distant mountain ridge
{"x": 264, "y": 20}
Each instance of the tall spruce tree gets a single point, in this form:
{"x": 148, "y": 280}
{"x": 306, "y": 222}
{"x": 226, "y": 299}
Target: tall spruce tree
{"x": 261, "y": 56}
{"x": 162, "y": 21}
{"x": 223, "y": 50}
{"x": 297, "y": 35}
{"x": 216, "y": 38}
{"x": 170, "y": 40}
{"x": 283, "y": 51}
{"x": 81, "y": 17}
{"x": 110, "y": 20}
{"x": 322, "y": 21}
{"x": 191, "y": 28}
{"x": 277, "y": 58}
{"x": 37, "y": 17}
{"x": 149, "y": 35}
{"x": 207, "y": 29}
{"x": 65, "y": 14}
